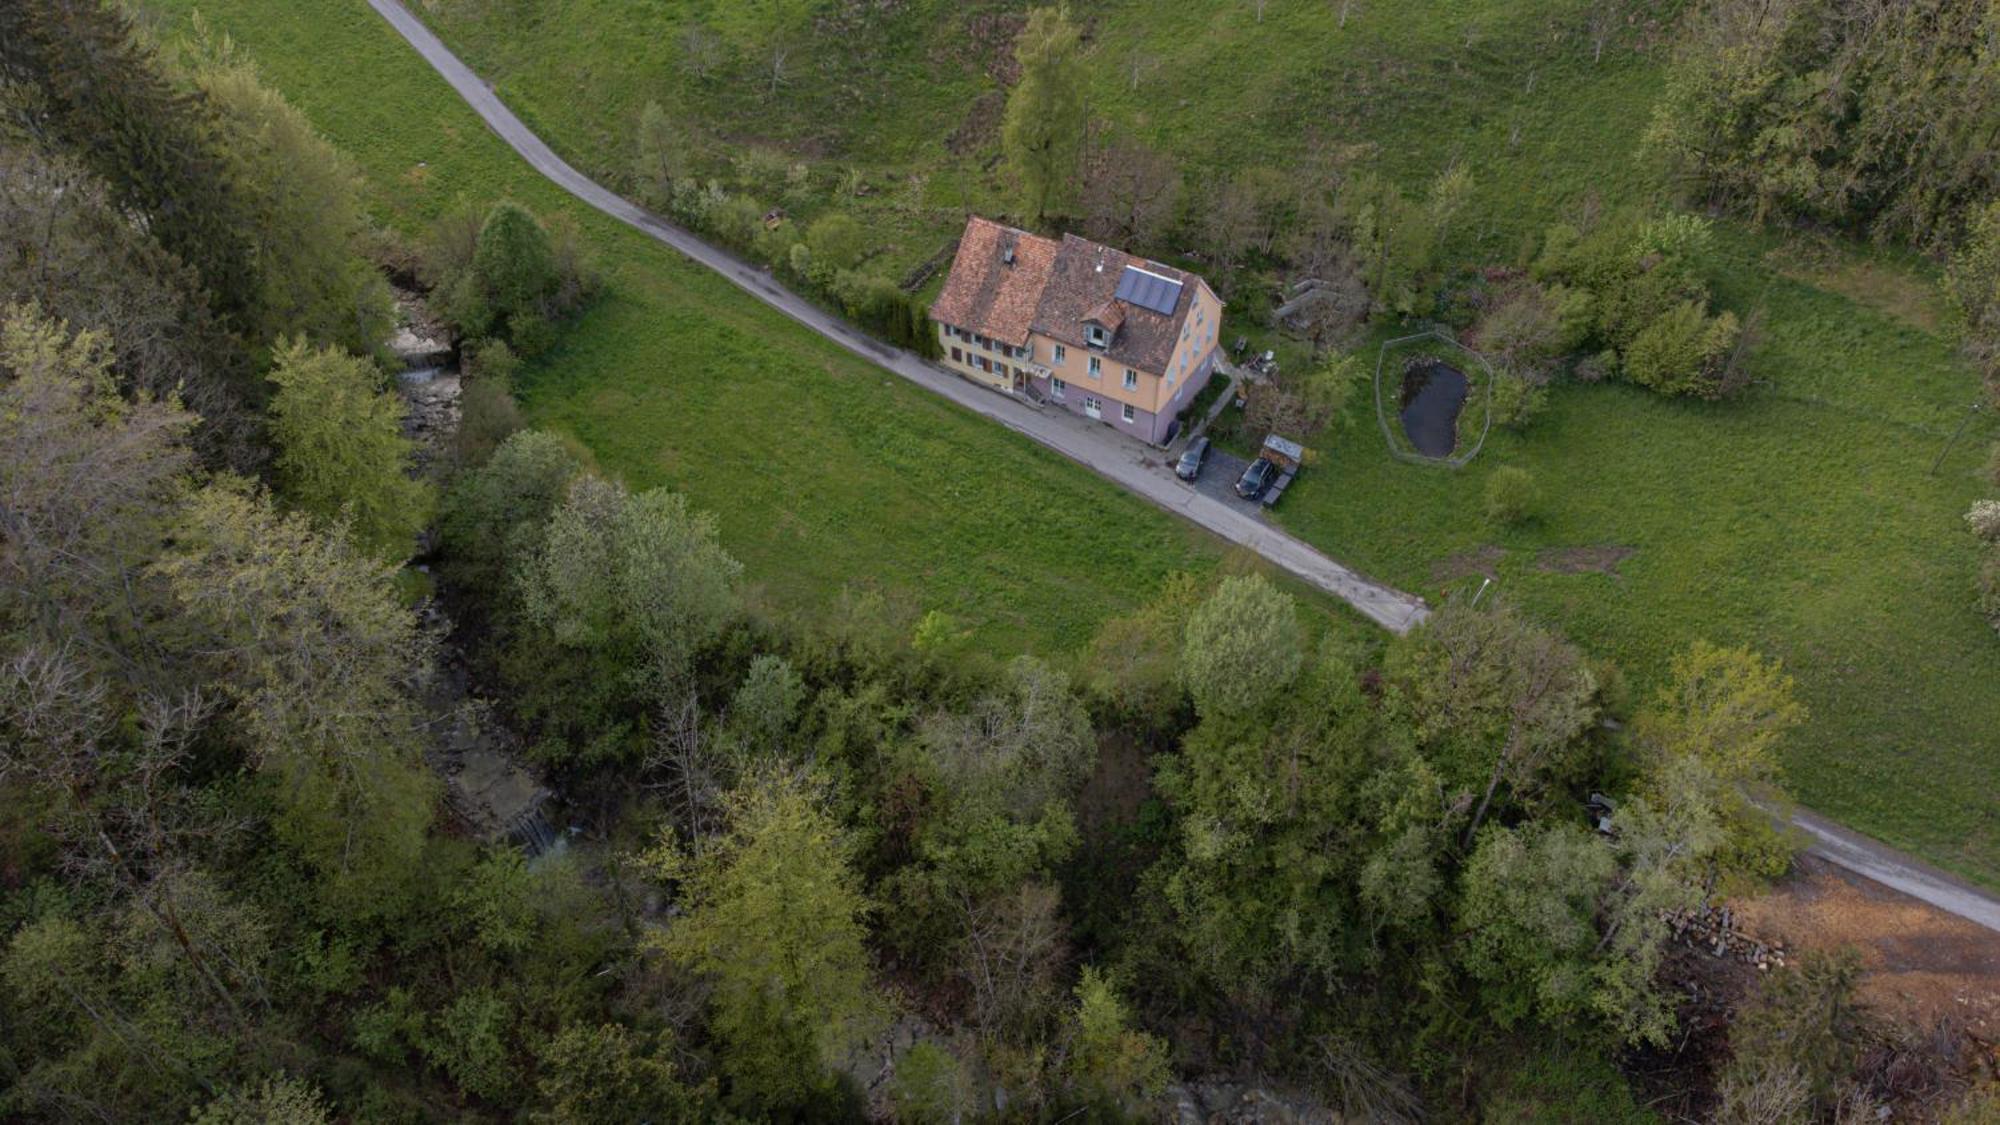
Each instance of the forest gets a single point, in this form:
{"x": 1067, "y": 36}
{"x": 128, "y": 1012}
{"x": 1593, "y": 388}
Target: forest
{"x": 1228, "y": 853}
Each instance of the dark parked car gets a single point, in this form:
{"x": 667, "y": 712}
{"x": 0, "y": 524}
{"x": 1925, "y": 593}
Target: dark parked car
{"x": 1191, "y": 461}
{"x": 1255, "y": 479}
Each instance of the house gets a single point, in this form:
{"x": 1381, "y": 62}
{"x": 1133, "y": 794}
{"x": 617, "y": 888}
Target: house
{"x": 1111, "y": 336}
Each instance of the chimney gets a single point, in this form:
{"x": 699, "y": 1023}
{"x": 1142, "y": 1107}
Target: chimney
{"x": 1007, "y": 255}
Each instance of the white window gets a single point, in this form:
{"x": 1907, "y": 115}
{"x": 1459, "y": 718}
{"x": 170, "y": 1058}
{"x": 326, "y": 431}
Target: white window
{"x": 1056, "y": 389}
{"x": 1129, "y": 415}
{"x": 1062, "y": 354}
{"x": 1131, "y": 379}
{"x": 1096, "y": 367}
{"x": 1093, "y": 335}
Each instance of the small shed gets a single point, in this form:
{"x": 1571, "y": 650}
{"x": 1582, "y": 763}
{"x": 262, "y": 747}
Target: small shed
{"x": 1283, "y": 452}
{"x": 1286, "y": 454}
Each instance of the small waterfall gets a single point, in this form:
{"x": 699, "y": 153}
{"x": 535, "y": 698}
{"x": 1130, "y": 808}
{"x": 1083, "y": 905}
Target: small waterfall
{"x": 532, "y": 832}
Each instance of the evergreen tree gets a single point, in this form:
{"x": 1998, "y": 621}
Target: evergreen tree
{"x": 109, "y": 99}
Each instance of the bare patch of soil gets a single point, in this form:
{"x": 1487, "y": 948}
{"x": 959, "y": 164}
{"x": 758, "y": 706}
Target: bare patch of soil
{"x": 1923, "y": 966}
{"x": 1584, "y": 560}
{"x": 1481, "y": 562}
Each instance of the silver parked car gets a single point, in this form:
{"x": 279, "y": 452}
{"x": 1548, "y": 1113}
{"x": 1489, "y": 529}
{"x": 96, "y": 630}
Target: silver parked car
{"x": 1189, "y": 466}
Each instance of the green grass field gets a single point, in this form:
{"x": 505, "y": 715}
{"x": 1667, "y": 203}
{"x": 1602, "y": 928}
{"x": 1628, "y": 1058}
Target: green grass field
{"x": 826, "y": 472}
{"x": 1800, "y": 520}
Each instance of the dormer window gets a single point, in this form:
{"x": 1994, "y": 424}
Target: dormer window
{"x": 1096, "y": 336}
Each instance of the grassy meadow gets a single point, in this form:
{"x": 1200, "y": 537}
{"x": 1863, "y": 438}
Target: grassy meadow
{"x": 1800, "y": 519}
{"x": 827, "y": 474}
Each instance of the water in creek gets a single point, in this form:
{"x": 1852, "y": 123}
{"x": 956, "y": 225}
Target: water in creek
{"x": 1433, "y": 395}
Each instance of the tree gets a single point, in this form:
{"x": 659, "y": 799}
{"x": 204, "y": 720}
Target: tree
{"x": 513, "y": 272}
{"x": 305, "y": 197}
{"x": 494, "y": 517}
{"x": 85, "y": 479}
{"x": 1529, "y": 899}
{"x": 1243, "y": 646}
{"x": 662, "y": 156}
{"x": 488, "y": 414}
{"x": 775, "y": 921}
{"x": 276, "y": 1099}
{"x": 1274, "y": 817}
{"x": 1728, "y": 710}
{"x": 1801, "y": 1035}
{"x": 307, "y": 642}
{"x": 837, "y": 240}
{"x": 1511, "y": 496}
{"x": 1881, "y": 120}
{"x": 1131, "y": 194}
{"x": 1227, "y": 220}
{"x": 1134, "y": 661}
{"x": 1972, "y": 290}
{"x": 1042, "y": 132}
{"x": 95, "y": 269}
{"x": 637, "y": 578}
{"x": 342, "y": 456}
{"x": 108, "y": 98}
{"x": 606, "y": 1072}
{"x": 506, "y": 275}
{"x": 1305, "y": 406}
{"x": 1494, "y": 701}
{"x": 1111, "y": 1063}
{"x": 1727, "y": 707}
{"x": 930, "y": 1085}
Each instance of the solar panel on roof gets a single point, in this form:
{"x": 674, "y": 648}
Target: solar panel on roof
{"x": 1149, "y": 290}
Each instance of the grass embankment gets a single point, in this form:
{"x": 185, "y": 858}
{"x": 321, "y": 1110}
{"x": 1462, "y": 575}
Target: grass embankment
{"x": 1800, "y": 520}
{"x": 825, "y": 472}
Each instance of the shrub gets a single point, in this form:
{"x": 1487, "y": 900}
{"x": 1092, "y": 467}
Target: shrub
{"x": 488, "y": 414}
{"x": 1984, "y": 519}
{"x": 1511, "y": 495}
{"x": 1682, "y": 351}
{"x": 1517, "y": 401}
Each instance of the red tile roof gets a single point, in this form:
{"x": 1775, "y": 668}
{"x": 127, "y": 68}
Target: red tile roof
{"x": 988, "y": 295}
{"x": 1084, "y": 280}
{"x": 1052, "y": 288}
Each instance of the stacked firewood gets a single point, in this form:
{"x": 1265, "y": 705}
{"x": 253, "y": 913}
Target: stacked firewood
{"x": 1713, "y": 927}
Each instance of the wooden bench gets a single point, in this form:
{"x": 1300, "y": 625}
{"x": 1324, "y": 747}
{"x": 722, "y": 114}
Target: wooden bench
{"x": 1277, "y": 489}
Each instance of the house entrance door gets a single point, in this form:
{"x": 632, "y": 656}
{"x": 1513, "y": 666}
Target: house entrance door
{"x": 1093, "y": 407}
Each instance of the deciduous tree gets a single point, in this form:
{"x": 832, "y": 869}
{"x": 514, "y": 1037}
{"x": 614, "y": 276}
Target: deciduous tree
{"x": 775, "y": 921}
{"x": 1243, "y": 646}
{"x": 1042, "y": 132}
{"x": 342, "y": 456}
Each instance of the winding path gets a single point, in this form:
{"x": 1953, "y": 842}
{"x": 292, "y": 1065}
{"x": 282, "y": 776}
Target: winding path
{"x": 1105, "y": 452}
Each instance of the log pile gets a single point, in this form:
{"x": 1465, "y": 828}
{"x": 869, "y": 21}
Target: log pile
{"x": 1713, "y": 928}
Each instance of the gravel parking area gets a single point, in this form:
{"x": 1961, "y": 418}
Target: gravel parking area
{"x": 1218, "y": 480}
